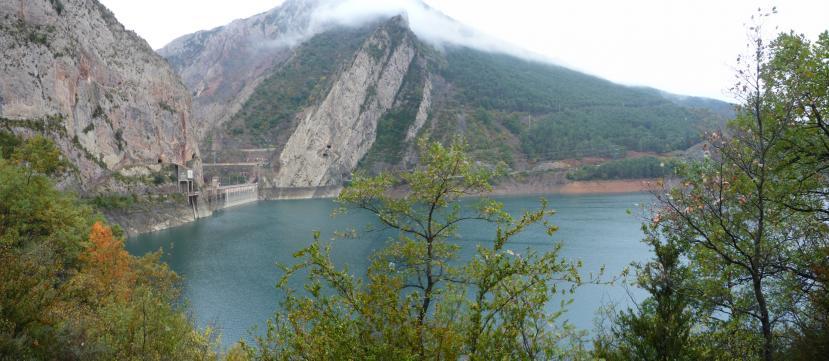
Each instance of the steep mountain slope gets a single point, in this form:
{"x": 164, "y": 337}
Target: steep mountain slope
{"x": 330, "y": 140}
{"x": 356, "y": 97}
{"x": 71, "y": 71}
{"x": 223, "y": 65}
{"x": 268, "y": 115}
{"x": 555, "y": 113}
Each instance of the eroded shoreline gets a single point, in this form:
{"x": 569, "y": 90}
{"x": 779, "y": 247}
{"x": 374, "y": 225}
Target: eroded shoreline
{"x": 577, "y": 187}
{"x": 518, "y": 185}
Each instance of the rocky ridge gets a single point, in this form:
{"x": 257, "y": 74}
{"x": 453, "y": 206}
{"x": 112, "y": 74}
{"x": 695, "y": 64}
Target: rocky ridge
{"x": 334, "y": 136}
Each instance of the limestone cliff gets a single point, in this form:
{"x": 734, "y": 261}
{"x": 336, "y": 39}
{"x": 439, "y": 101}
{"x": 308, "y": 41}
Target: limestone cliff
{"x": 334, "y": 136}
{"x": 70, "y": 70}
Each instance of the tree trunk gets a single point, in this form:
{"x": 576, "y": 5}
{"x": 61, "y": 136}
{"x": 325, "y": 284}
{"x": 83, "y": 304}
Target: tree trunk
{"x": 764, "y": 318}
{"x": 427, "y": 298}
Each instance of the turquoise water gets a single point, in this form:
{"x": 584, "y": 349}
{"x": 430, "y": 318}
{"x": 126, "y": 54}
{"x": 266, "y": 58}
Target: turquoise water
{"x": 228, "y": 261}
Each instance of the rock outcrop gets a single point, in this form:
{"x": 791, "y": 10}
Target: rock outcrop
{"x": 334, "y": 136}
{"x": 113, "y": 105}
{"x": 422, "y": 111}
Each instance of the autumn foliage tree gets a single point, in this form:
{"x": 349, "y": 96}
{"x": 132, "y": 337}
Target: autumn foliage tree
{"x": 68, "y": 288}
{"x": 108, "y": 268}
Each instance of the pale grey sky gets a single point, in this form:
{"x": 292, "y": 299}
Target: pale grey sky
{"x": 685, "y": 47}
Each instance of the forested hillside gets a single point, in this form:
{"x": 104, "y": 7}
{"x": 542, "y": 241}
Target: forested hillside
{"x": 391, "y": 87}
{"x": 557, "y": 113}
{"x": 509, "y": 109}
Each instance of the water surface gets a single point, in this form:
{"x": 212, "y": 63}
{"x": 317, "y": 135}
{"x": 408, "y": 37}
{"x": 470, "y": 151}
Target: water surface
{"x": 228, "y": 260}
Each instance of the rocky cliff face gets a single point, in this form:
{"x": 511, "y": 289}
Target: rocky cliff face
{"x": 316, "y": 91}
{"x": 334, "y": 136}
{"x": 69, "y": 69}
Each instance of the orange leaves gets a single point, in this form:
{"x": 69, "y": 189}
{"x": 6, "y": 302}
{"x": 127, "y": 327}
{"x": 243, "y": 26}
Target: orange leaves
{"x": 107, "y": 263}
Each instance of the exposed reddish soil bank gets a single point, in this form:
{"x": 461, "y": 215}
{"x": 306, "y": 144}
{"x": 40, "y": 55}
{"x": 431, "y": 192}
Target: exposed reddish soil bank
{"x": 556, "y": 183}
{"x": 607, "y": 186}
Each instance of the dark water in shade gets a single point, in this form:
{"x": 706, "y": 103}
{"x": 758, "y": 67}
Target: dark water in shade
{"x": 228, "y": 260}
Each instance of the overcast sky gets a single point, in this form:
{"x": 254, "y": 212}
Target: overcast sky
{"x": 685, "y": 47}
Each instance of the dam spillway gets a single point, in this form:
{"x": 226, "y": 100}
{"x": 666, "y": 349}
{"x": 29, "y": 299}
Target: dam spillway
{"x": 233, "y": 195}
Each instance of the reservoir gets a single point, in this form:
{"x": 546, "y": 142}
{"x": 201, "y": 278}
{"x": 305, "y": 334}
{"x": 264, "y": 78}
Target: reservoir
{"x": 228, "y": 261}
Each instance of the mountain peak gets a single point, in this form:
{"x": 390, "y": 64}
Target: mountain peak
{"x": 400, "y": 20}
{"x": 328, "y": 85}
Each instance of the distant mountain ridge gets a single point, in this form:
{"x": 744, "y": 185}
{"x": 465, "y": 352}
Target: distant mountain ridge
{"x": 330, "y": 99}
{"x": 222, "y": 65}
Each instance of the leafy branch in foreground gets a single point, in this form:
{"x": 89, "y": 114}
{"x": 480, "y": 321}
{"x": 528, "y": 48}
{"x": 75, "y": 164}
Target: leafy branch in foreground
{"x": 419, "y": 300}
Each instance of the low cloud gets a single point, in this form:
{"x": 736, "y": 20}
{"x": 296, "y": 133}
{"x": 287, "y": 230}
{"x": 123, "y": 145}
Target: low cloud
{"x": 429, "y": 24}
